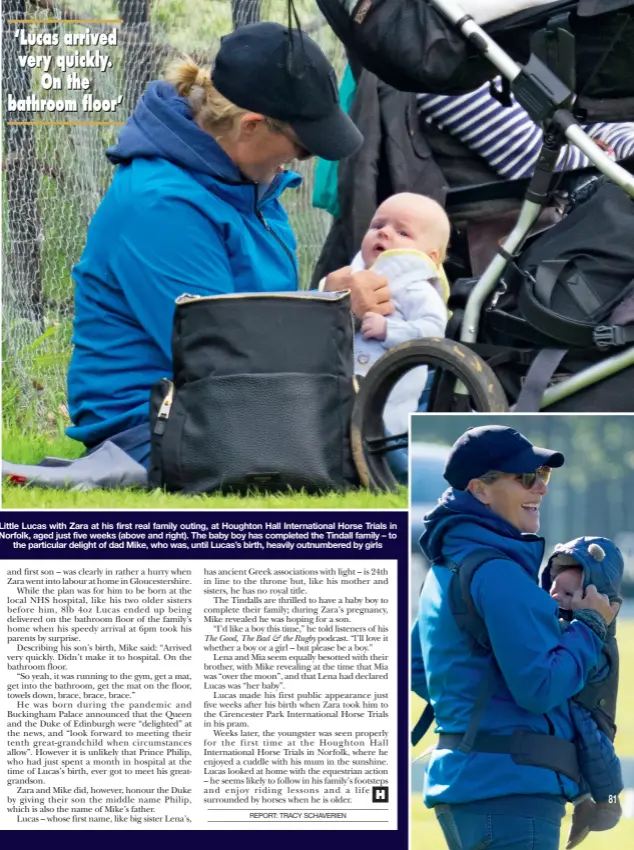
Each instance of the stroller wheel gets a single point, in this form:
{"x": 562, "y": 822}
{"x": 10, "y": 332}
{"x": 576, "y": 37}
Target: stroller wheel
{"x": 451, "y": 362}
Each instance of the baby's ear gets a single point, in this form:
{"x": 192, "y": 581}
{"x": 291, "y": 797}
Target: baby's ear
{"x": 435, "y": 256}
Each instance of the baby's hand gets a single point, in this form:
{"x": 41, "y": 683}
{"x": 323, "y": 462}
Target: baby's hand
{"x": 374, "y": 326}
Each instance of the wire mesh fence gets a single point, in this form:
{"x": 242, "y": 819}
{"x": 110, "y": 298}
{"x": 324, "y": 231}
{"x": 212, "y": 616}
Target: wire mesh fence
{"x": 56, "y": 129}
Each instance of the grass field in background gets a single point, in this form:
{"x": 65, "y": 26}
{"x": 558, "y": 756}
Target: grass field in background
{"x": 21, "y": 448}
{"x": 427, "y": 835}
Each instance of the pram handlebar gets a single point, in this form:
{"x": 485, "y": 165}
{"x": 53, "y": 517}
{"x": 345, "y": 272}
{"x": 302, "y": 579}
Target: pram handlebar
{"x": 511, "y": 70}
{"x": 477, "y": 36}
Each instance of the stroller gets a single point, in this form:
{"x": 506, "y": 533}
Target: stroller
{"x": 564, "y": 62}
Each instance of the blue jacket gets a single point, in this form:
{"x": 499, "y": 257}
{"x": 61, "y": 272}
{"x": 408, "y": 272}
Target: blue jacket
{"x": 542, "y": 668}
{"x": 178, "y": 217}
{"x": 600, "y": 766}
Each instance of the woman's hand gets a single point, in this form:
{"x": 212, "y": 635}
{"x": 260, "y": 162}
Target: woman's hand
{"x": 369, "y": 291}
{"x": 595, "y": 601}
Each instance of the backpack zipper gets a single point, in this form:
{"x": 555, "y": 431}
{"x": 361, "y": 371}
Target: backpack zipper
{"x": 188, "y": 298}
{"x": 164, "y": 410}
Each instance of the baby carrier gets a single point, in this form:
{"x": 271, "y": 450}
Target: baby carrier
{"x": 524, "y": 748}
{"x": 602, "y": 565}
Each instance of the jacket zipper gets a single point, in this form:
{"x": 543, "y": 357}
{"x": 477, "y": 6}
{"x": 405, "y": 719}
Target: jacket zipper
{"x": 276, "y": 237}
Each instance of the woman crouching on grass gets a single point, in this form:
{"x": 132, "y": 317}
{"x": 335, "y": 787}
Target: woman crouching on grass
{"x": 194, "y": 208}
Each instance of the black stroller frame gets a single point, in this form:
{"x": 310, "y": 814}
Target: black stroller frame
{"x": 549, "y": 101}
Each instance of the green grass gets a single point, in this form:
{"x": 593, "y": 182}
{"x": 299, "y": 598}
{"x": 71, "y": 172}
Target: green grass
{"x": 36, "y": 498}
{"x": 427, "y": 835}
{"x": 31, "y": 448}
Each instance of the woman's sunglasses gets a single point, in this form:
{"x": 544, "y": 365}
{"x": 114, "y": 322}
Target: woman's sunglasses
{"x": 301, "y": 153}
{"x": 278, "y": 127}
{"x": 528, "y": 479}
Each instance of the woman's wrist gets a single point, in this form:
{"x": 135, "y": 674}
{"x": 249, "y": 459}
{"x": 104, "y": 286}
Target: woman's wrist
{"x": 593, "y": 620}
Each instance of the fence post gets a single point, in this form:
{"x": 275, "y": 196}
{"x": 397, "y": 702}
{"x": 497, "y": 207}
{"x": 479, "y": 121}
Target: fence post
{"x": 245, "y": 12}
{"x": 22, "y": 254}
{"x": 137, "y": 49}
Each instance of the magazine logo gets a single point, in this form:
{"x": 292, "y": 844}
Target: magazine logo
{"x": 380, "y": 794}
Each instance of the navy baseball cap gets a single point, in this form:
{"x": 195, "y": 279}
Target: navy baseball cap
{"x": 281, "y": 73}
{"x": 486, "y": 448}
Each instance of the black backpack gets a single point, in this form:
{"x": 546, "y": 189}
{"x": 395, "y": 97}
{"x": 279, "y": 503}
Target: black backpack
{"x": 565, "y": 303}
{"x": 527, "y": 748}
{"x": 261, "y": 396}
{"x": 575, "y": 274}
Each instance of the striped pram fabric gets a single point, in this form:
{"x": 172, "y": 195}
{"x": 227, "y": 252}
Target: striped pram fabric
{"x": 506, "y": 137}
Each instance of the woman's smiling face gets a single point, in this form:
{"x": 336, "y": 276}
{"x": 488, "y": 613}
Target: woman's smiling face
{"x": 507, "y": 497}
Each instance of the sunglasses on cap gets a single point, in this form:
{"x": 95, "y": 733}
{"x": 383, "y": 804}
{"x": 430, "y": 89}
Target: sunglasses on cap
{"x": 529, "y": 479}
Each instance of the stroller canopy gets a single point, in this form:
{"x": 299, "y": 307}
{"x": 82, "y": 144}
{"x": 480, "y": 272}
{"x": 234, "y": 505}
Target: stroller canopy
{"x": 412, "y": 47}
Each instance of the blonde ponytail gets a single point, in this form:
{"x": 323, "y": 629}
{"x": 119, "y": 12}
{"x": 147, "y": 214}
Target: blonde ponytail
{"x": 212, "y": 111}
{"x": 185, "y": 74}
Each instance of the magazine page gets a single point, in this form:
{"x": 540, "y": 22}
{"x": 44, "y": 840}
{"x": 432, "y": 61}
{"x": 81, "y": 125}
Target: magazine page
{"x": 204, "y": 548}
{"x": 246, "y": 586}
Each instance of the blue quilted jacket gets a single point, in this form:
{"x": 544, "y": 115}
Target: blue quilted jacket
{"x": 600, "y": 766}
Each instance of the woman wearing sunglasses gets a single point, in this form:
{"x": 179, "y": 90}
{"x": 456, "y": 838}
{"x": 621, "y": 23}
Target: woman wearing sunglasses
{"x": 499, "y": 789}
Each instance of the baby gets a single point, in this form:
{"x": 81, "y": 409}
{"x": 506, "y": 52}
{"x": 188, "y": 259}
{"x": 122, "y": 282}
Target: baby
{"x": 407, "y": 242}
{"x": 571, "y": 567}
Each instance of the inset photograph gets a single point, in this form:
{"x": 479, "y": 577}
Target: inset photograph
{"x": 522, "y": 616}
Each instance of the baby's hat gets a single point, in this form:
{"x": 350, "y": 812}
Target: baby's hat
{"x": 598, "y": 557}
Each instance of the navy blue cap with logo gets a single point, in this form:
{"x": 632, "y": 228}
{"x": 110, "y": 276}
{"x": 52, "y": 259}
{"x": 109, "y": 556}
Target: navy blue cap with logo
{"x": 488, "y": 448}
{"x": 281, "y": 73}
